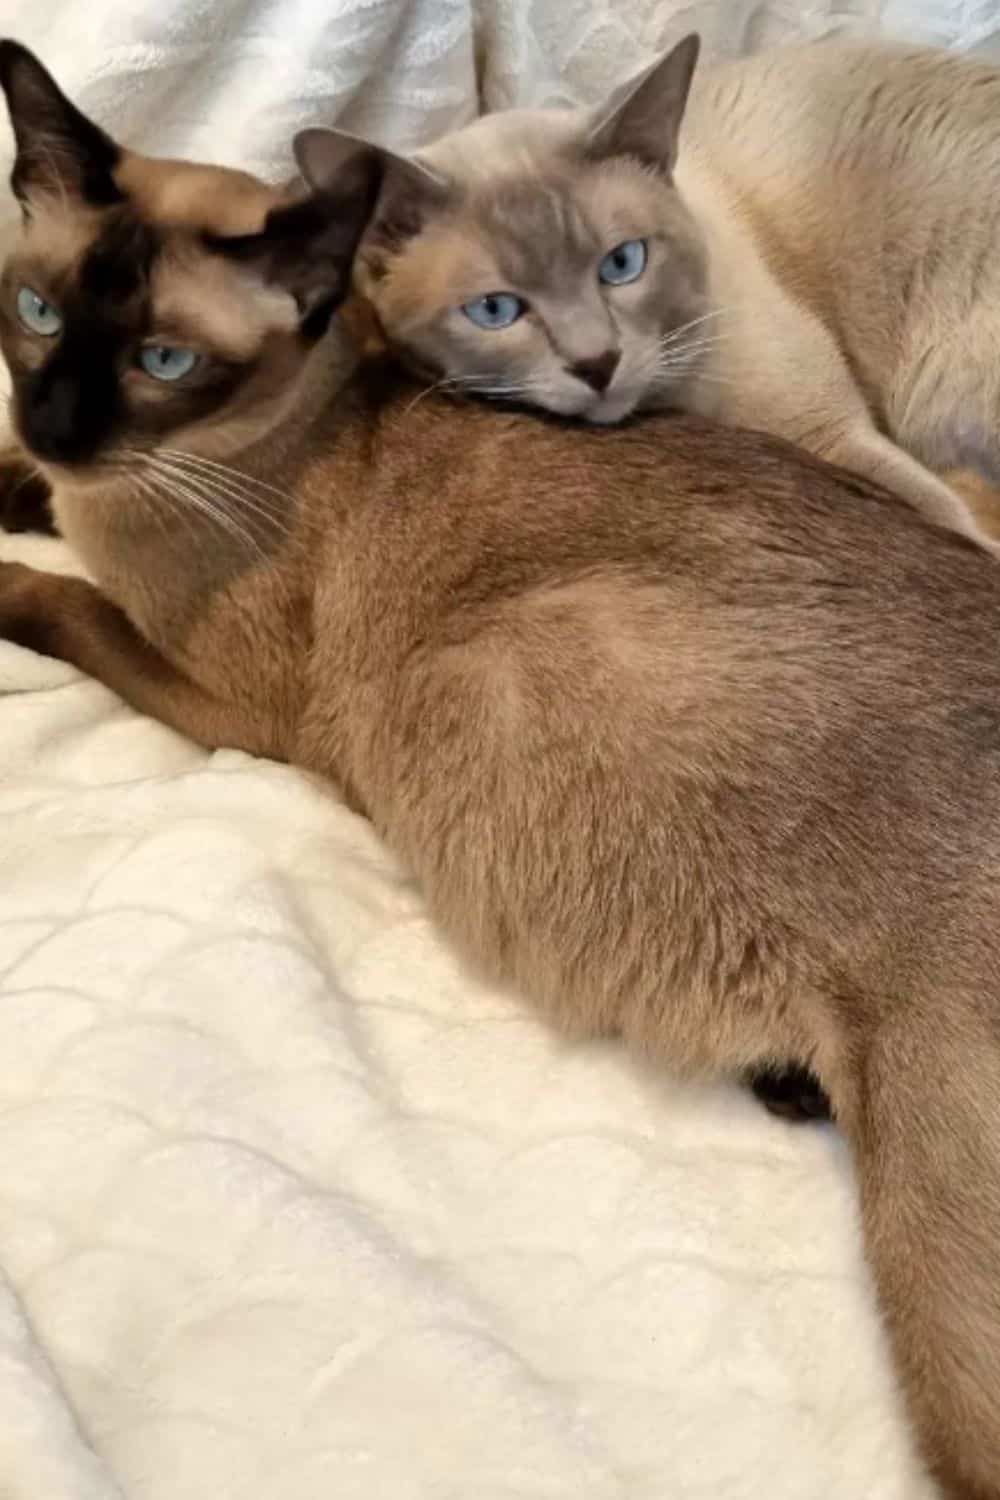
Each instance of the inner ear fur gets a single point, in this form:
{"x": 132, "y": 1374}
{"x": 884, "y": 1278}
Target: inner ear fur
{"x": 408, "y": 191}
{"x": 307, "y": 247}
{"x": 644, "y": 120}
{"x": 58, "y": 148}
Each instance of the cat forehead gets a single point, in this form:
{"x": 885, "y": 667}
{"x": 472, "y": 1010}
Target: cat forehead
{"x": 189, "y": 195}
{"x": 144, "y": 259}
{"x": 512, "y": 145}
{"x": 165, "y": 199}
{"x": 528, "y": 187}
{"x": 101, "y": 254}
{"x": 532, "y": 226}
{"x": 561, "y": 218}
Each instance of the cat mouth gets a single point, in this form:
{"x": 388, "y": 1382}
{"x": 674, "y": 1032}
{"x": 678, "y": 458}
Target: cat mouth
{"x": 610, "y": 408}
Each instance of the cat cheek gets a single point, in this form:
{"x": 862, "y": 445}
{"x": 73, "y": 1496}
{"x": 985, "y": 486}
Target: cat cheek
{"x": 27, "y": 355}
{"x": 141, "y": 391}
{"x": 23, "y": 352}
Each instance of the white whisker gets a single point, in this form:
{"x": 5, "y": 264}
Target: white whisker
{"x": 684, "y": 351}
{"x": 232, "y": 510}
{"x": 222, "y": 490}
{"x": 160, "y": 501}
{"x": 171, "y": 483}
{"x": 183, "y": 495}
{"x": 227, "y": 470}
{"x": 449, "y": 382}
{"x": 683, "y": 328}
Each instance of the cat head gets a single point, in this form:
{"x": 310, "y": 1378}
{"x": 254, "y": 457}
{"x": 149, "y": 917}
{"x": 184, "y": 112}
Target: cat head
{"x": 542, "y": 255}
{"x": 151, "y": 304}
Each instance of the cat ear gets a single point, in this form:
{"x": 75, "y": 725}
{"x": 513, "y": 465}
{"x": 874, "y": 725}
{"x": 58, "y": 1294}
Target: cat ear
{"x": 58, "y": 149}
{"x": 645, "y": 121}
{"x": 307, "y": 245}
{"x": 408, "y": 190}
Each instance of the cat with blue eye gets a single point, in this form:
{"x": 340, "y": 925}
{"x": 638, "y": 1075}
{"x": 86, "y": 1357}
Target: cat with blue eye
{"x": 173, "y": 356}
{"x": 801, "y": 241}
{"x": 551, "y": 288}
{"x": 51, "y": 399}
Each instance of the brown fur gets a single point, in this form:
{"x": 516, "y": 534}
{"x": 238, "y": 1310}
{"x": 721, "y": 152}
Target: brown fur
{"x": 24, "y": 493}
{"x": 820, "y": 257}
{"x": 676, "y": 744}
{"x": 688, "y": 736}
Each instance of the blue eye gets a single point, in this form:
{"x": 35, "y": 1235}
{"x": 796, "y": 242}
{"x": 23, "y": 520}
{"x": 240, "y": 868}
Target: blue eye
{"x": 625, "y": 263}
{"x": 495, "y": 310}
{"x": 37, "y": 315}
{"x": 164, "y": 362}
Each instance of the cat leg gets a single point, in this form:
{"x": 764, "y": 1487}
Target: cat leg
{"x": 979, "y": 495}
{"x": 791, "y": 1093}
{"x": 921, "y": 1117}
{"x": 865, "y": 451}
{"x": 24, "y": 495}
{"x": 70, "y": 619}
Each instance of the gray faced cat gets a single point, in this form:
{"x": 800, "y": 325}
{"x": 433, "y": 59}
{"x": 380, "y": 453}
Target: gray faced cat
{"x": 813, "y": 254}
{"x": 687, "y": 736}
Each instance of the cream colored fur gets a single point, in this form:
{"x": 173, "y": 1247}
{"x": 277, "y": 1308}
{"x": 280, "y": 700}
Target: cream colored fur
{"x": 845, "y": 199}
{"x": 849, "y": 197}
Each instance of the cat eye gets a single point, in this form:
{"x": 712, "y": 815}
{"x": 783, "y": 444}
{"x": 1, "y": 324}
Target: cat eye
{"x": 165, "y": 362}
{"x": 37, "y": 315}
{"x": 625, "y": 263}
{"x": 495, "y": 310}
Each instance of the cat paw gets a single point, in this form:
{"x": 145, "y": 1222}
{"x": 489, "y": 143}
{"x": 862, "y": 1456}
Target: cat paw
{"x": 791, "y": 1093}
{"x": 24, "y": 501}
{"x": 24, "y": 619}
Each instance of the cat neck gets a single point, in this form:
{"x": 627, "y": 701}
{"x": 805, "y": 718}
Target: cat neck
{"x": 724, "y": 244}
{"x": 746, "y": 303}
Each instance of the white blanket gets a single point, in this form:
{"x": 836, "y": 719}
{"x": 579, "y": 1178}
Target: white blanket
{"x": 290, "y": 1207}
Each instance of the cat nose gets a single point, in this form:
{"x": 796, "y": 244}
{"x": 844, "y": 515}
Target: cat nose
{"x": 597, "y": 371}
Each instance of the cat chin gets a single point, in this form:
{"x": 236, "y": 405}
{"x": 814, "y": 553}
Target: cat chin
{"x": 601, "y": 411}
{"x": 611, "y": 409}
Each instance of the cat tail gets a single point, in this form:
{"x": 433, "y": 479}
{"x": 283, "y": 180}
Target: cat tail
{"x": 925, "y": 1128}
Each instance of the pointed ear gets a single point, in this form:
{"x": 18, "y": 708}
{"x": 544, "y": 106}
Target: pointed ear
{"x": 307, "y": 246}
{"x": 646, "y": 121}
{"x": 408, "y": 191}
{"x": 58, "y": 149}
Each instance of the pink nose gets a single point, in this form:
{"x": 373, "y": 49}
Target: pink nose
{"x": 596, "y": 372}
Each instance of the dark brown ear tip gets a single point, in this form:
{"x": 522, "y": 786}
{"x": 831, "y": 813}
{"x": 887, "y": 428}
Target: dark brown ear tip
{"x": 300, "y": 143}
{"x": 325, "y": 157}
{"x": 302, "y": 138}
{"x": 12, "y": 54}
{"x": 689, "y": 47}
{"x": 302, "y": 147}
{"x": 11, "y": 48}
{"x": 20, "y": 68}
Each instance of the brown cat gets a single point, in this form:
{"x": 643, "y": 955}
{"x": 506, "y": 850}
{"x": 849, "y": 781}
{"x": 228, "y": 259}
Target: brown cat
{"x": 806, "y": 246}
{"x": 688, "y": 736}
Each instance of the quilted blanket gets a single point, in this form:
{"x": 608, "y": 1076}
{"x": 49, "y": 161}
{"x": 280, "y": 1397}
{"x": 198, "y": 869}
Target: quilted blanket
{"x": 290, "y": 1206}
